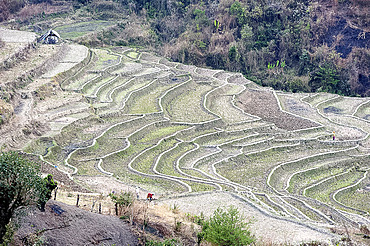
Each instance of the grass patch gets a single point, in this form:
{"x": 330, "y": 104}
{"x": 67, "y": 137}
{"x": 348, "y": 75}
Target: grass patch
{"x": 322, "y": 191}
{"x": 145, "y": 162}
{"x": 91, "y": 88}
{"x": 88, "y": 168}
{"x": 132, "y": 54}
{"x": 167, "y": 163}
{"x": 105, "y": 59}
{"x": 161, "y": 132}
{"x": 306, "y": 178}
{"x": 199, "y": 187}
{"x": 156, "y": 185}
{"x": 356, "y": 197}
{"x": 76, "y": 85}
{"x": 187, "y": 106}
{"x": 301, "y": 207}
{"x": 194, "y": 173}
{"x": 39, "y": 146}
{"x": 76, "y": 30}
{"x": 147, "y": 102}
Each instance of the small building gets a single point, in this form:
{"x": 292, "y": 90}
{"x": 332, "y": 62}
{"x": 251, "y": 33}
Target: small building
{"x": 50, "y": 37}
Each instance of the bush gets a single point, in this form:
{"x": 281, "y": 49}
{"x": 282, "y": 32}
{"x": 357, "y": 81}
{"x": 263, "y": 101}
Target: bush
{"x": 167, "y": 242}
{"x": 227, "y": 228}
{"x": 48, "y": 185}
{"x": 328, "y": 79}
{"x": 20, "y": 185}
{"x": 123, "y": 201}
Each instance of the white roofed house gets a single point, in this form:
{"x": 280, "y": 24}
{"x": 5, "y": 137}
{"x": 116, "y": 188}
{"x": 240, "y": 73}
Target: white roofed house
{"x": 50, "y": 37}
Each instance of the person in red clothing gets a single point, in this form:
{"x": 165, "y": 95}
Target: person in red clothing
{"x": 150, "y": 197}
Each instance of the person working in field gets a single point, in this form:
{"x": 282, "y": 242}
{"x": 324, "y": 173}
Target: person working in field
{"x": 150, "y": 197}
{"x": 333, "y": 135}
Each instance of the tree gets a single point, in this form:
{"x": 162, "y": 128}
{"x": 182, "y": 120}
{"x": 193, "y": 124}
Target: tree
{"x": 227, "y": 228}
{"x": 233, "y": 52}
{"x": 328, "y": 79}
{"x": 20, "y": 185}
{"x": 247, "y": 37}
{"x": 237, "y": 10}
{"x": 123, "y": 200}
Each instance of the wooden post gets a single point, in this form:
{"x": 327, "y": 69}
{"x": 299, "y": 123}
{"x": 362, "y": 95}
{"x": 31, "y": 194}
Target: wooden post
{"x": 99, "y": 208}
{"x": 132, "y": 215}
{"x": 93, "y": 205}
{"x": 55, "y": 193}
{"x": 78, "y": 199}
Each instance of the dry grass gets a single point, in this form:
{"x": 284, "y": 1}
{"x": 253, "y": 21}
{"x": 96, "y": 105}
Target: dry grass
{"x": 32, "y": 10}
{"x": 6, "y": 110}
{"x": 148, "y": 217}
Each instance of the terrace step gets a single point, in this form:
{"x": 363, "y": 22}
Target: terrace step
{"x": 280, "y": 173}
{"x": 290, "y": 209}
{"x": 332, "y": 213}
{"x": 331, "y": 167}
{"x": 177, "y": 128}
{"x": 334, "y": 199}
{"x": 310, "y": 212}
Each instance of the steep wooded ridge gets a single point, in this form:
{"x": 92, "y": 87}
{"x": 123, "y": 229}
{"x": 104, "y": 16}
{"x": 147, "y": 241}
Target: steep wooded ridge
{"x": 300, "y": 45}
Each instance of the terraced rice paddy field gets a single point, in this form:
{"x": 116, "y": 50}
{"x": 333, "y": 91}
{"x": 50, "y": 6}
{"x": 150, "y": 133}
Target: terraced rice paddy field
{"x": 175, "y": 129}
{"x": 76, "y": 30}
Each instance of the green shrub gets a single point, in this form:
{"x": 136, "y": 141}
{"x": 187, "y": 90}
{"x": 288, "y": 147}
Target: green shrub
{"x": 20, "y": 185}
{"x": 8, "y": 237}
{"x": 227, "y": 228}
{"x": 328, "y": 79}
{"x": 123, "y": 201}
{"x": 167, "y": 242}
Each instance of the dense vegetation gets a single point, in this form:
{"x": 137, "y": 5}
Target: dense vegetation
{"x": 227, "y": 228}
{"x": 20, "y": 185}
{"x": 300, "y": 45}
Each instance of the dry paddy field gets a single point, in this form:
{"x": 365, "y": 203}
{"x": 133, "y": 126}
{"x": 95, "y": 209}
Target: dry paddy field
{"x": 206, "y": 138}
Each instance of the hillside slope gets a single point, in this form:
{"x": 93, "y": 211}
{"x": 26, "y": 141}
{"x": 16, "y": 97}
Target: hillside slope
{"x": 63, "y": 224}
{"x": 124, "y": 116}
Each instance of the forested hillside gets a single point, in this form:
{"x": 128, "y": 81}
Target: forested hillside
{"x": 292, "y": 45}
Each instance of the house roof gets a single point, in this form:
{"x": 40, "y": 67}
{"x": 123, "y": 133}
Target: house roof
{"x": 51, "y": 32}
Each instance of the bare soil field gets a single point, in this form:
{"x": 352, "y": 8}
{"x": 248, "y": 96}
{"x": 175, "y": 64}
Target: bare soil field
{"x": 263, "y": 104}
{"x": 14, "y": 36}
